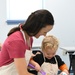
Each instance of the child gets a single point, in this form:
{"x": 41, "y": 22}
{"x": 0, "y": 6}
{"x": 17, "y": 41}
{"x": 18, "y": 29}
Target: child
{"x": 49, "y": 62}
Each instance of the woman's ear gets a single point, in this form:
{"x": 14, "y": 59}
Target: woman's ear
{"x": 0, "y": 46}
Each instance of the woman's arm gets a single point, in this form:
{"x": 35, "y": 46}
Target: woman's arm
{"x": 21, "y": 66}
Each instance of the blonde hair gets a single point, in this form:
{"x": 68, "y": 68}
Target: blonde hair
{"x": 50, "y": 41}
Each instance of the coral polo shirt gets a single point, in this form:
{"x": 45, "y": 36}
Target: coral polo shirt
{"x": 13, "y": 47}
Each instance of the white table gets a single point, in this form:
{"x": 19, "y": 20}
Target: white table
{"x": 70, "y": 51}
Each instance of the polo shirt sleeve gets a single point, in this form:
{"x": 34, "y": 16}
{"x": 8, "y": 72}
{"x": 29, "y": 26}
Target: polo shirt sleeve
{"x": 16, "y": 49}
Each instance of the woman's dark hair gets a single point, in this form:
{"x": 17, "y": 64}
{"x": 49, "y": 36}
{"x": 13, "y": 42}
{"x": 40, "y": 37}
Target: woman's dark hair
{"x": 35, "y": 22}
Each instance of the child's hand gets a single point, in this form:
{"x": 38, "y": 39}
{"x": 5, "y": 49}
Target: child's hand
{"x": 37, "y": 67}
{"x": 65, "y": 72}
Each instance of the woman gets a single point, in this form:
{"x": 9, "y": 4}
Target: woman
{"x": 14, "y": 51}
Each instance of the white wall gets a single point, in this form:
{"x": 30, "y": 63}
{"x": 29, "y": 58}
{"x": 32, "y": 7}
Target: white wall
{"x": 64, "y": 14}
{"x": 4, "y": 28}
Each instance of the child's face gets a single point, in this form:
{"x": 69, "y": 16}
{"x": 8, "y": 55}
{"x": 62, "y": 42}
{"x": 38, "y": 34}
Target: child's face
{"x": 49, "y": 53}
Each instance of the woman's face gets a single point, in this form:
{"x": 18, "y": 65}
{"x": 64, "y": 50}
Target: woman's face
{"x": 44, "y": 31}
